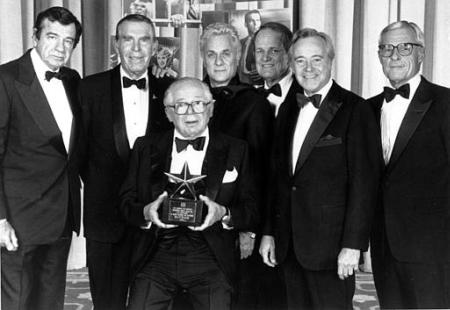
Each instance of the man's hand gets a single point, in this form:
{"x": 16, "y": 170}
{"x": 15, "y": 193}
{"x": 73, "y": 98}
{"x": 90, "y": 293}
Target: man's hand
{"x": 8, "y": 237}
{"x": 267, "y": 250}
{"x": 151, "y": 212}
{"x": 215, "y": 213}
{"x": 348, "y": 261}
{"x": 246, "y": 244}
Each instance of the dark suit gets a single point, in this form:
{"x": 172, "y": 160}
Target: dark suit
{"x": 326, "y": 204}
{"x": 146, "y": 180}
{"x": 411, "y": 226}
{"x": 108, "y": 153}
{"x": 40, "y": 186}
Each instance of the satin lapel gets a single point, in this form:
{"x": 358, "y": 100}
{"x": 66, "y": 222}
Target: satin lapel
{"x": 214, "y": 165}
{"x": 324, "y": 116}
{"x": 163, "y": 155}
{"x": 414, "y": 114}
{"x": 376, "y": 104}
{"x": 151, "y": 103}
{"x": 71, "y": 92}
{"x": 118, "y": 116}
{"x": 33, "y": 97}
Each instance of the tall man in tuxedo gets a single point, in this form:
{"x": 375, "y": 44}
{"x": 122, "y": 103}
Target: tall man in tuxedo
{"x": 324, "y": 182}
{"x": 203, "y": 259}
{"x": 39, "y": 154}
{"x": 410, "y": 239}
{"x": 119, "y": 105}
{"x": 241, "y": 112}
{"x": 272, "y": 43}
{"x": 247, "y": 69}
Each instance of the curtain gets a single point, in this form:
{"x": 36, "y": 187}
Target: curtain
{"x": 354, "y": 26}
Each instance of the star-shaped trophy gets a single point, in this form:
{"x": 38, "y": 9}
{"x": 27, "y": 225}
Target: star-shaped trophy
{"x": 183, "y": 207}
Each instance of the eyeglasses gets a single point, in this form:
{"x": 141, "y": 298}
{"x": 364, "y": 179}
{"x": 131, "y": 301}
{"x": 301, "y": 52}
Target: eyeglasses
{"x": 404, "y": 49}
{"x": 182, "y": 108}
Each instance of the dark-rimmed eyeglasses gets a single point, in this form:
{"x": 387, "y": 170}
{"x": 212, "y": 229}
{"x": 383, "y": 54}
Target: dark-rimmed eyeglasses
{"x": 196, "y": 106}
{"x": 404, "y": 49}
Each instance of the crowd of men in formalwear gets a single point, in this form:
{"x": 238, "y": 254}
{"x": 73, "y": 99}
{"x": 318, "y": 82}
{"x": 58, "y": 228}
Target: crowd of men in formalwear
{"x": 298, "y": 174}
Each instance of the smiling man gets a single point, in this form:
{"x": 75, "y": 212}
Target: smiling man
{"x": 40, "y": 122}
{"x": 410, "y": 239}
{"x": 325, "y": 181}
{"x": 201, "y": 260}
{"x": 119, "y": 105}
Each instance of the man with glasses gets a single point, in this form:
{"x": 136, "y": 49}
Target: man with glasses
{"x": 201, "y": 260}
{"x": 410, "y": 239}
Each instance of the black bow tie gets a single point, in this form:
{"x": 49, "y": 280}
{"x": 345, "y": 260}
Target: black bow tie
{"x": 275, "y": 89}
{"x": 390, "y": 93}
{"x": 140, "y": 84}
{"x": 196, "y": 143}
{"x": 222, "y": 92}
{"x": 50, "y": 74}
{"x": 303, "y": 100}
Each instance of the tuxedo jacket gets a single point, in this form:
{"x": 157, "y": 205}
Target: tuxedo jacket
{"x": 39, "y": 179}
{"x": 145, "y": 181}
{"x": 326, "y": 204}
{"x": 108, "y": 149}
{"x": 243, "y": 113}
{"x": 414, "y": 204}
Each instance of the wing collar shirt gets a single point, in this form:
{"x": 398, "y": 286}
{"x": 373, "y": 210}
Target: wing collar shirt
{"x": 135, "y": 107}
{"x": 56, "y": 97}
{"x": 305, "y": 118}
{"x": 392, "y": 114}
{"x": 285, "y": 84}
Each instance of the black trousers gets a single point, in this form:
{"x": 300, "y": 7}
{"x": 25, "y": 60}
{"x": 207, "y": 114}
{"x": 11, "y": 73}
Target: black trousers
{"x": 185, "y": 266}
{"x": 309, "y": 289}
{"x": 402, "y": 285}
{"x": 34, "y": 276}
{"x": 109, "y": 267}
{"x": 260, "y": 287}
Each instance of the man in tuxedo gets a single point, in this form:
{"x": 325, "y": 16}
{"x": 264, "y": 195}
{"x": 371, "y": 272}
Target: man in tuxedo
{"x": 201, "y": 260}
{"x": 247, "y": 69}
{"x": 39, "y": 155}
{"x": 410, "y": 237}
{"x": 272, "y": 43}
{"x": 241, "y": 112}
{"x": 324, "y": 173}
{"x": 119, "y": 105}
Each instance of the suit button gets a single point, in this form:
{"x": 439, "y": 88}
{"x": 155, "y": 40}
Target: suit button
{"x": 294, "y": 188}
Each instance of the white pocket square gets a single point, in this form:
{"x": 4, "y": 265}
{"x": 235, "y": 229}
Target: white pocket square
{"x": 230, "y": 176}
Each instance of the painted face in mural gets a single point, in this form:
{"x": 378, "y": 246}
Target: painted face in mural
{"x": 253, "y": 23}
{"x": 55, "y": 43}
{"x": 272, "y": 60}
{"x": 135, "y": 46}
{"x": 399, "y": 69}
{"x": 221, "y": 59}
{"x": 311, "y": 64}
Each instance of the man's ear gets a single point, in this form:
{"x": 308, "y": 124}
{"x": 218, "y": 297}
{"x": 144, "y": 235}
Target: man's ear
{"x": 34, "y": 37}
{"x": 168, "y": 114}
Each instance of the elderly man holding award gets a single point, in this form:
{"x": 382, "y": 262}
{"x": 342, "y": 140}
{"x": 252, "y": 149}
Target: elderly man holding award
{"x": 191, "y": 191}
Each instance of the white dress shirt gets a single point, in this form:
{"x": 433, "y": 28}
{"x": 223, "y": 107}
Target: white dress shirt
{"x": 305, "y": 118}
{"x": 392, "y": 114}
{"x": 56, "y": 97}
{"x": 192, "y": 157}
{"x": 285, "y": 85}
{"x": 135, "y": 106}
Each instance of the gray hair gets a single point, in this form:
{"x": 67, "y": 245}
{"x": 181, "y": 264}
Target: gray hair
{"x": 420, "y": 38}
{"x": 309, "y": 33}
{"x": 217, "y": 29}
{"x": 191, "y": 81}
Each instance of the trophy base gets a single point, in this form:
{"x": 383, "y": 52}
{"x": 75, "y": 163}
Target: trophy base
{"x": 182, "y": 212}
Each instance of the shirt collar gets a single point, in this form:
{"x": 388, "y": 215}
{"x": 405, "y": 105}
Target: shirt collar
{"x": 40, "y": 67}
{"x": 323, "y": 92}
{"x": 284, "y": 83}
{"x": 413, "y": 85}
